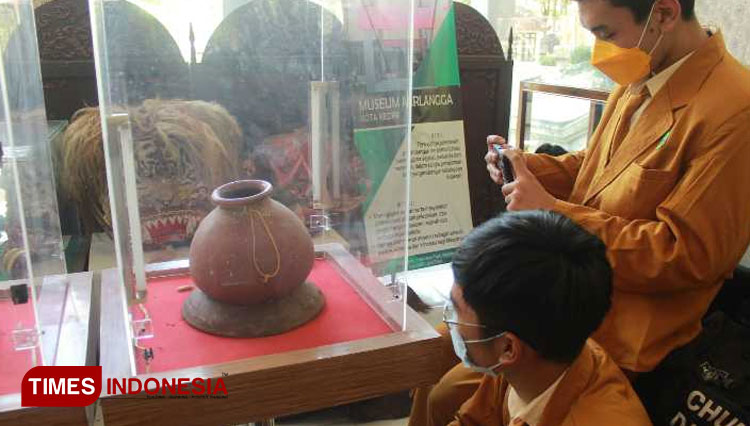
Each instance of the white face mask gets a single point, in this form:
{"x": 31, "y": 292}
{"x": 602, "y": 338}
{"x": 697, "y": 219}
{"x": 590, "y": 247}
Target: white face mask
{"x": 459, "y": 346}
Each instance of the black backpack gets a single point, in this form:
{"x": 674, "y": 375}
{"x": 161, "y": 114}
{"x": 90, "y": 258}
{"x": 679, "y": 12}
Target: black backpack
{"x": 707, "y": 382}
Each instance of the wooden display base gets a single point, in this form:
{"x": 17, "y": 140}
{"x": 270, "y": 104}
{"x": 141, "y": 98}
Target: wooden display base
{"x": 266, "y": 319}
{"x": 284, "y": 383}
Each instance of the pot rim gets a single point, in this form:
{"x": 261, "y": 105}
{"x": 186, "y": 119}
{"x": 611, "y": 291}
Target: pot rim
{"x": 260, "y": 190}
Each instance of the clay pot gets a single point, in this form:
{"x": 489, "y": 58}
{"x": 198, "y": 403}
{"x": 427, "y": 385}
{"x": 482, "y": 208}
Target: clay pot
{"x": 250, "y": 249}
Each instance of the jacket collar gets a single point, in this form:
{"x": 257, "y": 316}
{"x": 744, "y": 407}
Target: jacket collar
{"x": 689, "y": 78}
{"x": 576, "y": 380}
{"x": 658, "y": 118}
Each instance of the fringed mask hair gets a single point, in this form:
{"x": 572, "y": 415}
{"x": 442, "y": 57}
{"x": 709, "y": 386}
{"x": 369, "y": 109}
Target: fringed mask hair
{"x": 183, "y": 149}
{"x": 84, "y": 177}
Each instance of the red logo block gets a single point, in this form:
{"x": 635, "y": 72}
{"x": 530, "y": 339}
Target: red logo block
{"x": 61, "y": 386}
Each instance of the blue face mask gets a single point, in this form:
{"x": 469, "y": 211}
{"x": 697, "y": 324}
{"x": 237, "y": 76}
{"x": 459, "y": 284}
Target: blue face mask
{"x": 459, "y": 345}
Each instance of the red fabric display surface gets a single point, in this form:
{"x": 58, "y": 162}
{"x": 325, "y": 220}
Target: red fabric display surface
{"x": 345, "y": 317}
{"x": 14, "y": 364}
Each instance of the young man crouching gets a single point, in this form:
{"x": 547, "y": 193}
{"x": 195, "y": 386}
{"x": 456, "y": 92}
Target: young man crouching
{"x": 530, "y": 287}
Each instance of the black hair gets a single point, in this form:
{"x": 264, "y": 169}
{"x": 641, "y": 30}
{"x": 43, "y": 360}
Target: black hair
{"x": 538, "y": 275}
{"x": 550, "y": 149}
{"x": 641, "y": 8}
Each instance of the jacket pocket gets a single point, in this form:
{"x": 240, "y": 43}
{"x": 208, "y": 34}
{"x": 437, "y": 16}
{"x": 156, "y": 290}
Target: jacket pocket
{"x": 637, "y": 192}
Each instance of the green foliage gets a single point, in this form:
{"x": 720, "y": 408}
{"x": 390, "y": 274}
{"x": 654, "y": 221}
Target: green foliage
{"x": 548, "y": 60}
{"x": 580, "y": 54}
{"x": 554, "y": 8}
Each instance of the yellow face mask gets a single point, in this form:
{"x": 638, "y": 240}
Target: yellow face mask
{"x": 624, "y": 65}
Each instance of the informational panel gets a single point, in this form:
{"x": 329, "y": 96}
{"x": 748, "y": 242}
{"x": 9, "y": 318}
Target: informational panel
{"x": 440, "y": 209}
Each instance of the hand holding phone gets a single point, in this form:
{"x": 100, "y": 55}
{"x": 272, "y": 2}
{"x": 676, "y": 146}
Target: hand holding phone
{"x": 505, "y": 166}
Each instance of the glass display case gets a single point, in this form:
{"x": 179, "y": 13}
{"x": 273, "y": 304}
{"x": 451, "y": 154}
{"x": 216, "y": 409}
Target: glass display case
{"x": 558, "y": 118}
{"x": 44, "y": 312}
{"x": 258, "y": 156}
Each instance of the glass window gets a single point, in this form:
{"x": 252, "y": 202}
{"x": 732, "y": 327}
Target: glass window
{"x": 550, "y": 47}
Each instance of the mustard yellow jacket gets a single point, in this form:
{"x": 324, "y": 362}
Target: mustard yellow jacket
{"x": 593, "y": 392}
{"x": 672, "y": 205}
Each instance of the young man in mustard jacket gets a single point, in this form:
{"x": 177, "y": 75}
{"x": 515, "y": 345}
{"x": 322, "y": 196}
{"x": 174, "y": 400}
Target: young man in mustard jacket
{"x": 663, "y": 182}
{"x": 530, "y": 287}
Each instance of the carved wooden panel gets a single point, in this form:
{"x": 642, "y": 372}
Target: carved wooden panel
{"x": 474, "y": 34}
{"x": 66, "y": 51}
{"x": 144, "y": 51}
{"x": 63, "y": 30}
{"x": 259, "y": 68}
{"x": 64, "y": 35}
{"x": 486, "y": 79}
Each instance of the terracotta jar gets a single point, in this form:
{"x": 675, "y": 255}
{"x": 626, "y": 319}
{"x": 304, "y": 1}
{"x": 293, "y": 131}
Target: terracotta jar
{"x": 250, "y": 249}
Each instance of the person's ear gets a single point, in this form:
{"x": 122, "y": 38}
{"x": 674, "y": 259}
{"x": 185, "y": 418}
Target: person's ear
{"x": 509, "y": 349}
{"x": 667, "y": 13}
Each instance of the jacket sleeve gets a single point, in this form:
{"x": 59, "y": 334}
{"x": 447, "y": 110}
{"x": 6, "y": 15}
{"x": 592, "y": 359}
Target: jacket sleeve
{"x": 556, "y": 174}
{"x": 702, "y": 227}
{"x": 559, "y": 174}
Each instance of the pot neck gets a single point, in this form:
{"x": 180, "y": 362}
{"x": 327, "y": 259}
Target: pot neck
{"x": 241, "y": 193}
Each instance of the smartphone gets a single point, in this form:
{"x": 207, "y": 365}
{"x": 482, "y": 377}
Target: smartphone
{"x": 505, "y": 166}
